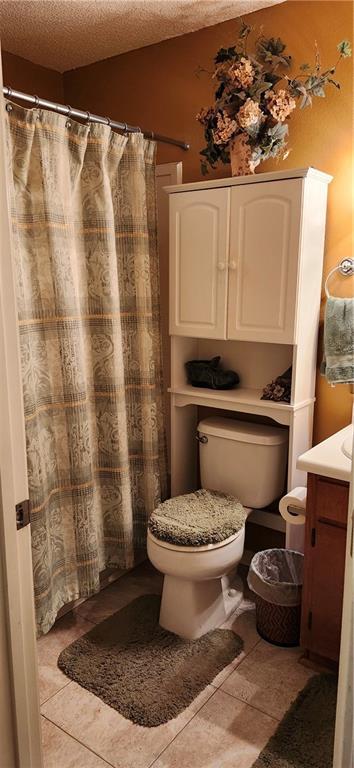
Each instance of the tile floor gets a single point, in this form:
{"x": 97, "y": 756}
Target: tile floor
{"x": 226, "y": 726}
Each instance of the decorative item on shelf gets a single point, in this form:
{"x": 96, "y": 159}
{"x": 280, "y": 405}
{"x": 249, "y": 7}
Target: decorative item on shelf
{"x": 209, "y": 374}
{"x": 254, "y": 99}
{"x": 279, "y": 389}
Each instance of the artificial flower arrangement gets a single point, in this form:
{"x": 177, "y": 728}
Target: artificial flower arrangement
{"x": 254, "y": 99}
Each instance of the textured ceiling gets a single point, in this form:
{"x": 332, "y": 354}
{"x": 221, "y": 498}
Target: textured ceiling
{"x": 65, "y": 34}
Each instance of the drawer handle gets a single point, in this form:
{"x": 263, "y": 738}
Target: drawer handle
{"x": 233, "y": 265}
{"x": 221, "y": 266}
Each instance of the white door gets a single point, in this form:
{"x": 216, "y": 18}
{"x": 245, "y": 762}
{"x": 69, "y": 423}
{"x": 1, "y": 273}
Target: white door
{"x": 264, "y": 252}
{"x": 19, "y": 701}
{"x": 199, "y": 242}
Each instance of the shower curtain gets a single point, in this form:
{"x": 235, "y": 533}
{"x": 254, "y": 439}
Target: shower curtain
{"x": 83, "y": 211}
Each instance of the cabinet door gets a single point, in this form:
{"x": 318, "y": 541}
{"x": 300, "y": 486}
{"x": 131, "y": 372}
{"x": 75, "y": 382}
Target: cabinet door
{"x": 199, "y": 240}
{"x": 326, "y": 518}
{"x": 327, "y": 591}
{"x": 264, "y": 254}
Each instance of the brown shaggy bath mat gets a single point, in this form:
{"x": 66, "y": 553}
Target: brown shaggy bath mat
{"x": 305, "y": 736}
{"x": 148, "y": 674}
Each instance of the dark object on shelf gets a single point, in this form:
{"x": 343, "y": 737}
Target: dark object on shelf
{"x": 279, "y": 389}
{"x": 208, "y": 374}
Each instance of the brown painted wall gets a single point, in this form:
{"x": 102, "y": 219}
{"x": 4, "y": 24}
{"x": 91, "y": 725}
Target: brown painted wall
{"x": 157, "y": 87}
{"x": 31, "y": 78}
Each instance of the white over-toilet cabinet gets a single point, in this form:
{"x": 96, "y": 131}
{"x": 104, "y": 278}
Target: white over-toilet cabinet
{"x": 234, "y": 259}
{"x": 246, "y": 259}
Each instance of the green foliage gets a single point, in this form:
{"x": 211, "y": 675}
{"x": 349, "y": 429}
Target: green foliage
{"x": 225, "y": 54}
{"x": 344, "y": 48}
{"x": 271, "y": 51}
{"x": 259, "y": 87}
{"x": 244, "y": 31}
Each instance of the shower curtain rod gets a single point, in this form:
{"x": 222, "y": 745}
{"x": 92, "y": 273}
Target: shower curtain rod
{"x": 65, "y": 109}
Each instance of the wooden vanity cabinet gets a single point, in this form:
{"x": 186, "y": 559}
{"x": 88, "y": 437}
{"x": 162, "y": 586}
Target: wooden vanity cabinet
{"x": 325, "y": 544}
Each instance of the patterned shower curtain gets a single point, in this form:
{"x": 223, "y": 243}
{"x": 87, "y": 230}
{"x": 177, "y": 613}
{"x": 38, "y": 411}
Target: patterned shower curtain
{"x": 84, "y": 227}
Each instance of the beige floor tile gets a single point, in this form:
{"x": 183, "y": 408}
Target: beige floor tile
{"x": 243, "y": 623}
{"x": 61, "y": 751}
{"x": 269, "y": 678}
{"x": 225, "y": 733}
{"x": 49, "y": 646}
{"x": 105, "y": 731}
{"x": 142, "y": 580}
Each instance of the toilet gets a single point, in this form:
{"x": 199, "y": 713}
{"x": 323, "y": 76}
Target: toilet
{"x": 197, "y": 540}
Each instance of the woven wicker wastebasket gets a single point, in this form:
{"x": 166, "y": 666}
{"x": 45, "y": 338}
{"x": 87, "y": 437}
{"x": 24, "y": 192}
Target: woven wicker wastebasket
{"x": 275, "y": 577}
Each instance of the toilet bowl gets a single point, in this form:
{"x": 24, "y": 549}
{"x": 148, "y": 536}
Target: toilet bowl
{"x": 201, "y": 587}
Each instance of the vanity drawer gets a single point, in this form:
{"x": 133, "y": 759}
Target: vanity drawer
{"x": 332, "y": 498}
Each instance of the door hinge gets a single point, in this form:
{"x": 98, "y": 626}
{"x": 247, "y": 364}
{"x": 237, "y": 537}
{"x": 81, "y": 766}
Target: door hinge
{"x": 313, "y": 537}
{"x": 22, "y": 514}
{"x": 309, "y": 620}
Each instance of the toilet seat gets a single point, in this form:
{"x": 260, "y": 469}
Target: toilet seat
{"x": 198, "y": 519}
{"x": 203, "y": 548}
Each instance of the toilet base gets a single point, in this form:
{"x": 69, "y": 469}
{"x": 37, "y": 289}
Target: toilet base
{"x": 190, "y": 609}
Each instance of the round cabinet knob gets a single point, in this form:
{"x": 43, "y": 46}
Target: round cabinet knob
{"x": 221, "y": 266}
{"x": 232, "y": 265}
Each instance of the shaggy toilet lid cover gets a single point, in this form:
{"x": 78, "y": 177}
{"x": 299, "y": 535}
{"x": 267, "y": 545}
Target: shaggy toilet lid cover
{"x": 199, "y": 518}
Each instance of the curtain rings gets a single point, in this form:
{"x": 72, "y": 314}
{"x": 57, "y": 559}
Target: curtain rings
{"x": 36, "y": 105}
{"x": 68, "y": 122}
{"x": 8, "y": 106}
{"x": 88, "y": 117}
{"x": 109, "y": 121}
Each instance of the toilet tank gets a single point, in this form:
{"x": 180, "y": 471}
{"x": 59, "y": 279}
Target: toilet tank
{"x": 244, "y": 459}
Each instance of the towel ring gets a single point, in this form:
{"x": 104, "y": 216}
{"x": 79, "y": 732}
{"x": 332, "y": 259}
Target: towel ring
{"x": 345, "y": 268}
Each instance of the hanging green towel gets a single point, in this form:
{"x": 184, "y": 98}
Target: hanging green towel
{"x": 338, "y": 360}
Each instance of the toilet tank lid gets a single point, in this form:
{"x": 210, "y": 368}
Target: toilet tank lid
{"x": 243, "y": 431}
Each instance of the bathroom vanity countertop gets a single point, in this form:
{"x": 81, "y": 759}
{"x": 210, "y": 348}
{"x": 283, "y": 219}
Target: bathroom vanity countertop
{"x": 328, "y": 458}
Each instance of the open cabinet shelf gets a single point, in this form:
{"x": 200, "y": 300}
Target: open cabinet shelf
{"x": 243, "y": 400}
